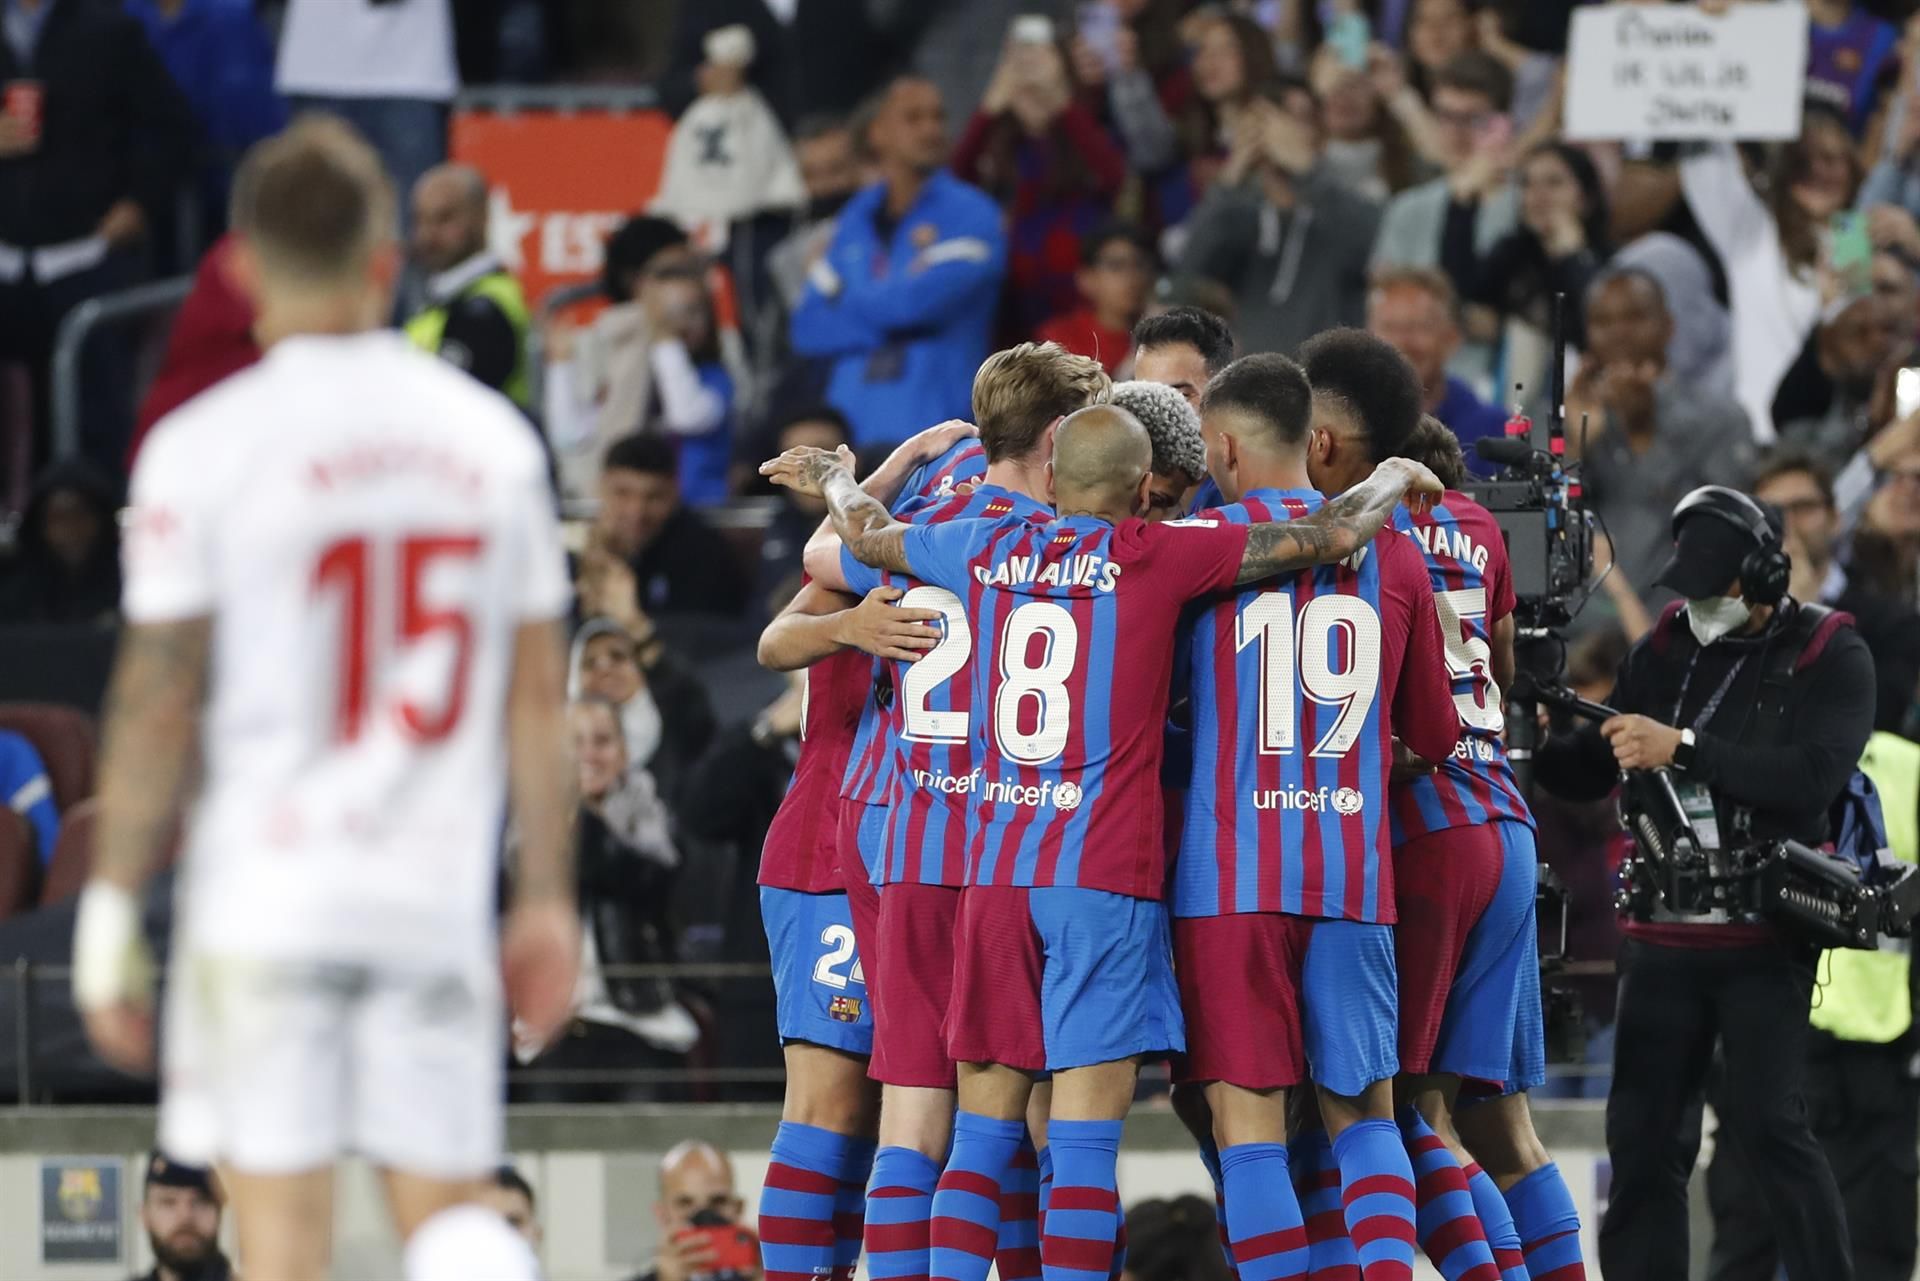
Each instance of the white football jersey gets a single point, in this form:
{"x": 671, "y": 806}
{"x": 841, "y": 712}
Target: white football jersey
{"x": 367, "y": 528}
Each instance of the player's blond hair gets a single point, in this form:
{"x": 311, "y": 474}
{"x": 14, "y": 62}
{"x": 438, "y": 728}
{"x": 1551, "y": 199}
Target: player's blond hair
{"x": 1017, "y": 392}
{"x": 313, "y": 202}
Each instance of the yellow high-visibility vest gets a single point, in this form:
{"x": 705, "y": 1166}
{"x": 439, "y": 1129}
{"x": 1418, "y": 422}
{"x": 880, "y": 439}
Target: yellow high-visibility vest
{"x": 428, "y": 327}
{"x": 1866, "y": 997}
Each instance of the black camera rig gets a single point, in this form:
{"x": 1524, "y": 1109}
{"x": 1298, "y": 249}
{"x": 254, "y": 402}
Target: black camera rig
{"x": 1678, "y": 874}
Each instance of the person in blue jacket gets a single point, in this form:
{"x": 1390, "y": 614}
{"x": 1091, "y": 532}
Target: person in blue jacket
{"x": 901, "y": 306}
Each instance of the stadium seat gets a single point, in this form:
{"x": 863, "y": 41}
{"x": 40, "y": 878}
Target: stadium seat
{"x": 72, "y": 854}
{"x": 19, "y": 863}
{"x": 66, "y": 740}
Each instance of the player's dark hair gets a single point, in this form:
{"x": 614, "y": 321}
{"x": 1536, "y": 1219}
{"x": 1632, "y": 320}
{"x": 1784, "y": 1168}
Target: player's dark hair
{"x": 1475, "y": 72}
{"x": 1268, "y": 388}
{"x": 1369, "y": 381}
{"x": 643, "y": 453}
{"x": 1434, "y": 444}
{"x": 509, "y": 1178}
{"x": 1201, "y": 330}
{"x": 821, "y": 413}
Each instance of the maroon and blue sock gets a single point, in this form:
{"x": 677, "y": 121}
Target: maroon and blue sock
{"x": 850, "y": 1208}
{"x": 1330, "y": 1252}
{"x": 1264, "y": 1225}
{"x": 1376, "y": 1193}
{"x": 1447, "y": 1225}
{"x": 1497, "y": 1219}
{"x": 1210, "y": 1157}
{"x": 1017, "y": 1257}
{"x": 798, "y": 1200}
{"x": 1083, "y": 1212}
{"x": 1549, "y": 1225}
{"x": 965, "y": 1229}
{"x": 899, "y": 1206}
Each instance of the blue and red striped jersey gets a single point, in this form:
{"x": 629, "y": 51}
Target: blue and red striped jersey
{"x": 800, "y": 851}
{"x": 870, "y": 767}
{"x": 1297, "y": 688}
{"x": 931, "y": 715}
{"x": 1472, "y": 589}
{"x": 1073, "y": 627}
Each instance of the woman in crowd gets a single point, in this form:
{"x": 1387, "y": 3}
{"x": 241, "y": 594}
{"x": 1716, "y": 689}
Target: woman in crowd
{"x": 66, "y": 563}
{"x": 1367, "y": 148}
{"x": 1232, "y": 62}
{"x": 626, "y": 863}
{"x": 1035, "y": 147}
{"x": 665, "y": 716}
{"x": 1558, "y": 247}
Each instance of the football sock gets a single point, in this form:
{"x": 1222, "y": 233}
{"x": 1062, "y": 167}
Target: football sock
{"x": 1083, "y": 1213}
{"x": 850, "y": 1207}
{"x": 1449, "y": 1230}
{"x": 1376, "y": 1193}
{"x": 1267, "y": 1234}
{"x": 1497, "y": 1219}
{"x": 1017, "y": 1258}
{"x": 966, "y": 1204}
{"x": 899, "y": 1206}
{"x": 467, "y": 1241}
{"x": 1330, "y": 1252}
{"x": 1210, "y": 1157}
{"x": 798, "y": 1200}
{"x": 1549, "y": 1225}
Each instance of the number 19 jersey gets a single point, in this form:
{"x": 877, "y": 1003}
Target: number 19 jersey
{"x": 1073, "y": 624}
{"x": 1297, "y": 688}
{"x": 367, "y": 528}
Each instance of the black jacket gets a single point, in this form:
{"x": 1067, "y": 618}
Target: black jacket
{"x": 113, "y": 126}
{"x": 690, "y": 568}
{"x": 217, "y": 1269}
{"x": 1789, "y": 782}
{"x": 625, "y": 898}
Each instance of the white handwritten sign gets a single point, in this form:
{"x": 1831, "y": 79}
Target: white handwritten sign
{"x": 1673, "y": 72}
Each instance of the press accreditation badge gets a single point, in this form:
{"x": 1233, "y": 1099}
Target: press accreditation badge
{"x": 1696, "y": 802}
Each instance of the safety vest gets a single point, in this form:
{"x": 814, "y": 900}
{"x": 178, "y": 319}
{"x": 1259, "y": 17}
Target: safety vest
{"x": 429, "y": 326}
{"x": 1865, "y": 997}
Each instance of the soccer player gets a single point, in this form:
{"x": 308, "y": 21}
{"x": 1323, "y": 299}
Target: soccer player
{"x": 1464, "y": 870}
{"x": 1284, "y": 878}
{"x": 814, "y": 1196}
{"x": 1062, "y": 955}
{"x": 1183, "y": 348}
{"x": 1019, "y": 394}
{"x": 350, "y": 552}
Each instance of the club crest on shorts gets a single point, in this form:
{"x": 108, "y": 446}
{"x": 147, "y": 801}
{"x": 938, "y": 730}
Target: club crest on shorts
{"x": 844, "y": 1008}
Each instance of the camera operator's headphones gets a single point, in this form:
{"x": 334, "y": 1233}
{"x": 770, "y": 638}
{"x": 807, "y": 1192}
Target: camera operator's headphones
{"x": 1764, "y": 571}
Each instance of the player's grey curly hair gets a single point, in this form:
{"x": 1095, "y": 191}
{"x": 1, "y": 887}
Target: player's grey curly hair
{"x": 1171, "y": 424}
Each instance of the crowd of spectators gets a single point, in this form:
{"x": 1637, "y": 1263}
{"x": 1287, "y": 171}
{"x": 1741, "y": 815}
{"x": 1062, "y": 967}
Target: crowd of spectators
{"x": 862, "y": 198}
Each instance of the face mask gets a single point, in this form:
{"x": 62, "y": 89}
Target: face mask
{"x": 1717, "y": 616}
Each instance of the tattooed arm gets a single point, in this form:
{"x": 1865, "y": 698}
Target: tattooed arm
{"x": 153, "y": 720}
{"x": 152, "y": 728}
{"x": 1339, "y": 529}
{"x": 885, "y": 484}
{"x": 860, "y": 520}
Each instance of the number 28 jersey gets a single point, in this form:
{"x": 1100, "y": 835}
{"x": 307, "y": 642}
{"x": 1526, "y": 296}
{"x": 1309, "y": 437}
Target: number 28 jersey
{"x": 1472, "y": 590}
{"x": 367, "y": 528}
{"x": 930, "y": 719}
{"x": 1072, "y": 625}
{"x": 1298, "y": 687}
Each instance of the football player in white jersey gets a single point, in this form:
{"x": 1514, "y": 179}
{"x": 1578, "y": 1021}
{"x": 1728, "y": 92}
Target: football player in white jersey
{"x": 344, "y": 593}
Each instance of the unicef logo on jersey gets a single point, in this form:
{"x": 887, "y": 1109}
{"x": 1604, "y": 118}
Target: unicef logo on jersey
{"x": 1314, "y": 800}
{"x": 1348, "y": 800}
{"x": 1066, "y": 796}
{"x": 1062, "y": 796}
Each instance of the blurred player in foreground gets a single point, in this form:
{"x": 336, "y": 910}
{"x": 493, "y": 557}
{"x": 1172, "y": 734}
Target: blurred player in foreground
{"x": 348, "y": 555}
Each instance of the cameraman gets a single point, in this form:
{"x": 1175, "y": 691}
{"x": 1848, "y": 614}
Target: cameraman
{"x": 1754, "y": 701}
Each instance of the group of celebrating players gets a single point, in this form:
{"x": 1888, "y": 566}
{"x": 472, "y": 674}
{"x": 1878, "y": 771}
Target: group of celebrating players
{"x": 1086, "y": 782}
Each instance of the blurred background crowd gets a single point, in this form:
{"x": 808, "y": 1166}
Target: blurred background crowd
{"x": 685, "y": 236}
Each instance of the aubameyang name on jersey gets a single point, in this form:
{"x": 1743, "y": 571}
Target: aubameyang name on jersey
{"x": 1096, "y": 572}
{"x": 1450, "y": 540}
